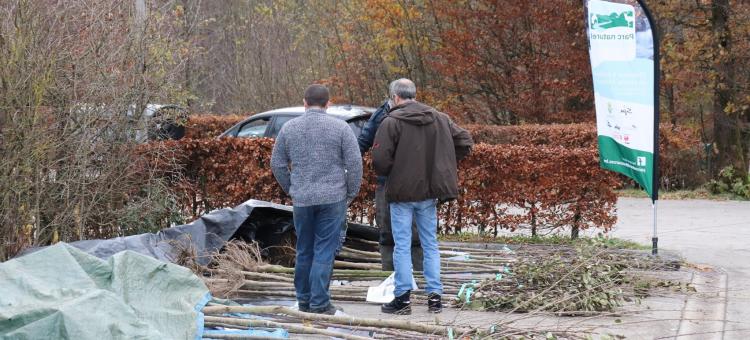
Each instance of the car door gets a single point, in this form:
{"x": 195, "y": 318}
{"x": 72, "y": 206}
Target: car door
{"x": 278, "y": 122}
{"x": 254, "y": 128}
{"x": 357, "y": 123}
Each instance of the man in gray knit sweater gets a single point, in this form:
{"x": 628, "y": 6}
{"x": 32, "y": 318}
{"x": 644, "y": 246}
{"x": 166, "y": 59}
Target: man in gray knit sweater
{"x": 316, "y": 161}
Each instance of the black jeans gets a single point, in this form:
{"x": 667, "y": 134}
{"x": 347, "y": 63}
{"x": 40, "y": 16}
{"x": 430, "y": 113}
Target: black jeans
{"x": 383, "y": 221}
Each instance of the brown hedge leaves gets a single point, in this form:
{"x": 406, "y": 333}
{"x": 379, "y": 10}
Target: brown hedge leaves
{"x": 511, "y": 187}
{"x": 523, "y": 176}
{"x": 679, "y": 147}
{"x": 210, "y": 126}
{"x": 503, "y": 186}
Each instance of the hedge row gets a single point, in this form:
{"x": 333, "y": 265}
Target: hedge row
{"x": 566, "y": 135}
{"x": 533, "y": 186}
{"x": 209, "y": 125}
{"x": 680, "y": 147}
{"x": 503, "y": 187}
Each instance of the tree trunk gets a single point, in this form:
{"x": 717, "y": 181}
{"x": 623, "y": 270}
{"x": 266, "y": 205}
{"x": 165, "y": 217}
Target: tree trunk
{"x": 575, "y": 229}
{"x": 669, "y": 94}
{"x": 726, "y": 130}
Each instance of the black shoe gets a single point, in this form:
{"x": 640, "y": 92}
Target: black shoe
{"x": 400, "y": 305}
{"x": 330, "y": 310}
{"x": 304, "y": 307}
{"x": 434, "y": 303}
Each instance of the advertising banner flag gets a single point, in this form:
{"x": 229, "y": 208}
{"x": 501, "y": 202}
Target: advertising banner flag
{"x": 624, "y": 66}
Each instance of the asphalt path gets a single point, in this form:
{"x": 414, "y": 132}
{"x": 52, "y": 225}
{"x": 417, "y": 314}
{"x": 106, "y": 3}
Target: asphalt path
{"x": 714, "y": 233}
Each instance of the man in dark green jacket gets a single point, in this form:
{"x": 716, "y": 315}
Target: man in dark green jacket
{"x": 418, "y": 149}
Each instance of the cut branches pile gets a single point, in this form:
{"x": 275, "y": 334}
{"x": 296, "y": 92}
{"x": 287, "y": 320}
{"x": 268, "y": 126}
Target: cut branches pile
{"x": 562, "y": 279}
{"x": 552, "y": 278}
{"x": 583, "y": 279}
{"x": 556, "y": 284}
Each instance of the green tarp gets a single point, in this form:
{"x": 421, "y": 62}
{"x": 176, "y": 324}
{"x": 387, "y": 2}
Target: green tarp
{"x": 61, "y": 292}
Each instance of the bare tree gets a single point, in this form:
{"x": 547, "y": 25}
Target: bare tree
{"x": 74, "y": 77}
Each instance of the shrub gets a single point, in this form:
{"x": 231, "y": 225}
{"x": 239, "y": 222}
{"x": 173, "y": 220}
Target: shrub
{"x": 730, "y": 181}
{"x": 223, "y": 172}
{"x": 70, "y": 73}
{"x": 680, "y": 147}
{"x": 503, "y": 187}
{"x": 209, "y": 125}
{"x": 512, "y": 187}
{"x": 567, "y": 135}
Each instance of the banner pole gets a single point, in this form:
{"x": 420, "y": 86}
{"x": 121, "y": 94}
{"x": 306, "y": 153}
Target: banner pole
{"x": 654, "y": 238}
{"x": 655, "y": 164}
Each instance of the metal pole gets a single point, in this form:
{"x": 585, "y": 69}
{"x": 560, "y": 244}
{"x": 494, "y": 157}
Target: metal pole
{"x": 655, "y": 165}
{"x": 654, "y": 239}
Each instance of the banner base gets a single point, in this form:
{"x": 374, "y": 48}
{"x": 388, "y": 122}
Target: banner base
{"x": 654, "y": 245}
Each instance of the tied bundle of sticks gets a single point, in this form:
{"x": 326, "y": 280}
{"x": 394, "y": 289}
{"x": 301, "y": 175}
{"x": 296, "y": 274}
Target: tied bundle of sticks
{"x": 303, "y": 325}
{"x": 241, "y": 272}
{"x": 528, "y": 279}
{"x": 341, "y": 327}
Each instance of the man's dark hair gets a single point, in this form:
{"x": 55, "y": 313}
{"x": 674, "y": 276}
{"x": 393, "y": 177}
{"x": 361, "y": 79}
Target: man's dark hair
{"x": 316, "y": 95}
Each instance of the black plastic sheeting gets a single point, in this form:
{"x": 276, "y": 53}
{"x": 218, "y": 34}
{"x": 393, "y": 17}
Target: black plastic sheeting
{"x": 265, "y": 222}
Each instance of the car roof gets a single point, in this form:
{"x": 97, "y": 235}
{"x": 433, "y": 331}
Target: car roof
{"x": 344, "y": 112}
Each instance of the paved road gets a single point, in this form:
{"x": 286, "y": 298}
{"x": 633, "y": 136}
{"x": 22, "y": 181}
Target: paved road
{"x": 716, "y": 233}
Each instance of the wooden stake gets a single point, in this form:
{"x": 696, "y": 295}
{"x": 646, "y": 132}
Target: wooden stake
{"x": 387, "y": 323}
{"x": 290, "y": 327}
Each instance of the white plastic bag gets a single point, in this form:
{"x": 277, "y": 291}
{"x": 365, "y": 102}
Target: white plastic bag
{"x": 383, "y": 293}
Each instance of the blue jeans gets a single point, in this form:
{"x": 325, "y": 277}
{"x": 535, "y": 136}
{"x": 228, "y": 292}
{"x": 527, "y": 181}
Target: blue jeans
{"x": 342, "y": 236}
{"x": 401, "y": 216}
{"x": 318, "y": 230}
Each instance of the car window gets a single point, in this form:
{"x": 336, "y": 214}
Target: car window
{"x": 357, "y": 124}
{"x": 278, "y": 122}
{"x": 254, "y": 128}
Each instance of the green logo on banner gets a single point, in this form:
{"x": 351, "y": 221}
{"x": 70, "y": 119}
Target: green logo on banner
{"x": 604, "y": 21}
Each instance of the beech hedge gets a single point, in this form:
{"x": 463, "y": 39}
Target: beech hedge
{"x": 680, "y": 147}
{"x": 502, "y": 186}
{"x": 209, "y": 125}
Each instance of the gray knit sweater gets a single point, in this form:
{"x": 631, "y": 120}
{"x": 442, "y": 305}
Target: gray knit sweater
{"x": 323, "y": 154}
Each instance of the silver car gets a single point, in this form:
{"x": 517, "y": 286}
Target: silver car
{"x": 269, "y": 123}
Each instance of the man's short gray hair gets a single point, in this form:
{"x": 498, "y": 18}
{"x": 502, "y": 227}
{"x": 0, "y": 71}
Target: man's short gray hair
{"x": 404, "y": 88}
